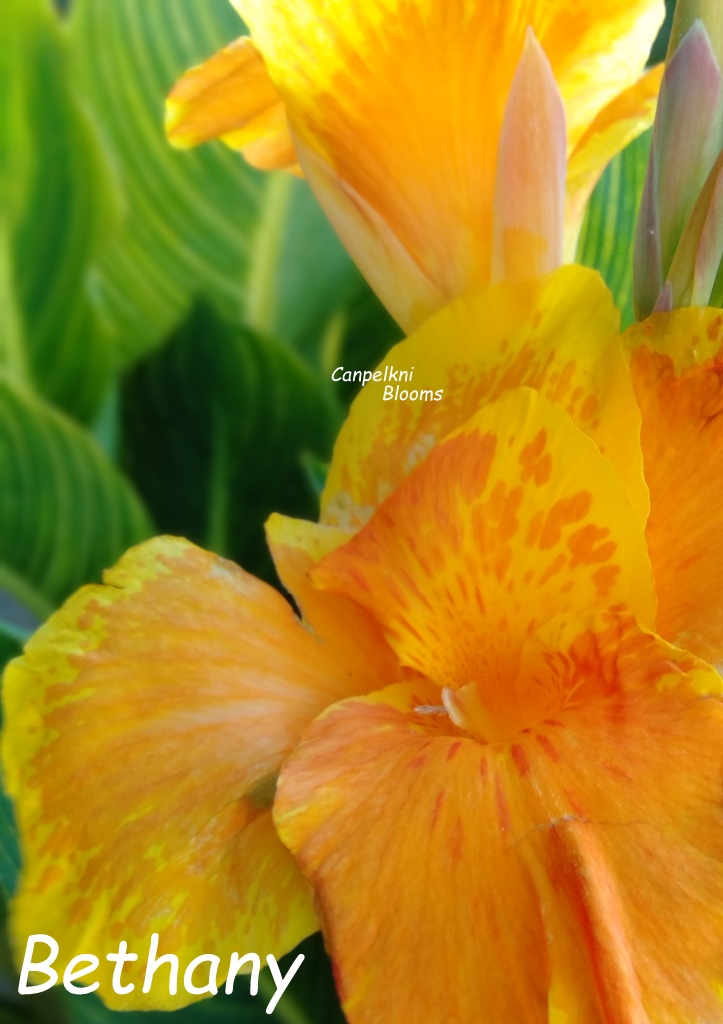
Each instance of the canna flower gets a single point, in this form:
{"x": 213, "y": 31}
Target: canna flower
{"x": 487, "y": 759}
{"x": 395, "y": 111}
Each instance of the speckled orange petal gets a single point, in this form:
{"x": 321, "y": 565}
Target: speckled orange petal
{"x": 348, "y": 632}
{"x": 631, "y": 859}
{"x": 677, "y": 369}
{"x": 558, "y": 335}
{"x": 514, "y": 519}
{"x": 625, "y": 118}
{"x": 144, "y": 728}
{"x": 383, "y": 98}
{"x": 402, "y": 829}
{"x": 572, "y": 875}
{"x": 231, "y": 97}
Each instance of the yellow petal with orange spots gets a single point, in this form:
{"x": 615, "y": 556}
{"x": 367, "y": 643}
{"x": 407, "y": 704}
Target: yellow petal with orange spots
{"x": 573, "y": 874}
{"x": 145, "y": 727}
{"x": 677, "y": 369}
{"x": 558, "y": 335}
{"x": 231, "y": 97}
{"x": 396, "y": 110}
{"x": 625, "y": 118}
{"x": 346, "y": 630}
{"x": 514, "y": 519}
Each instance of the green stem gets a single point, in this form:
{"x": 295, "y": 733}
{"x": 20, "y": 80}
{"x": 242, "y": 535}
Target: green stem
{"x": 261, "y": 305}
{"x": 287, "y": 1010}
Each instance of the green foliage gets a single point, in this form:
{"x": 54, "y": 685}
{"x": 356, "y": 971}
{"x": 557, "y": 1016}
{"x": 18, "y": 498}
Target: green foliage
{"x": 61, "y": 200}
{"x": 200, "y": 223}
{"x": 608, "y": 232}
{"x": 65, "y": 510}
{"x": 214, "y": 424}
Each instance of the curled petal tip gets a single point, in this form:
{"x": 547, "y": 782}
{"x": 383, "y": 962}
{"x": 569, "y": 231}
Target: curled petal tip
{"x": 231, "y": 97}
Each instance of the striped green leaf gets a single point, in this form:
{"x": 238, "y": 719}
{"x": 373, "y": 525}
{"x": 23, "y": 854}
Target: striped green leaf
{"x": 57, "y": 188}
{"x": 197, "y": 223}
{"x": 65, "y": 512}
{"x": 608, "y": 232}
{"x": 217, "y": 425}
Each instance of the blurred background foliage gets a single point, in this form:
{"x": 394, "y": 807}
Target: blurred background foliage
{"x": 169, "y": 324}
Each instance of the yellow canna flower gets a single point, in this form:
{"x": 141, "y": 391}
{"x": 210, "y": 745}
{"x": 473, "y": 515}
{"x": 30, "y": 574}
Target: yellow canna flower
{"x": 395, "y": 108}
{"x": 491, "y": 745}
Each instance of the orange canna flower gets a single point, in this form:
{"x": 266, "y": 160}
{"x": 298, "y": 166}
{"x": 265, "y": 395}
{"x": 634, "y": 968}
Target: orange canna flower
{"x": 493, "y": 745}
{"x": 395, "y": 111}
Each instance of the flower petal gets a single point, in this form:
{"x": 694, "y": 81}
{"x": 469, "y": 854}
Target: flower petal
{"x": 558, "y": 335}
{"x": 384, "y": 97}
{"x": 348, "y": 632}
{"x": 571, "y": 875}
{"x": 514, "y": 519}
{"x": 145, "y": 727}
{"x": 531, "y": 173}
{"x": 231, "y": 97}
{"x": 677, "y": 368}
{"x": 401, "y": 827}
{"x": 625, "y": 118}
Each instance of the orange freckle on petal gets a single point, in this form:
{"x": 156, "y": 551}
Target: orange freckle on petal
{"x": 548, "y": 747}
{"x": 483, "y": 768}
{"x": 556, "y": 566}
{"x": 456, "y": 841}
{"x": 589, "y": 408}
{"x": 563, "y": 513}
{"x": 531, "y": 453}
{"x": 534, "y": 528}
{"x": 437, "y": 807}
{"x": 714, "y": 328}
{"x": 453, "y": 750}
{"x": 543, "y": 470}
{"x": 583, "y": 546}
{"x": 503, "y": 563}
{"x": 518, "y": 755}
{"x": 503, "y": 811}
{"x": 605, "y": 578}
{"x": 566, "y": 380}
